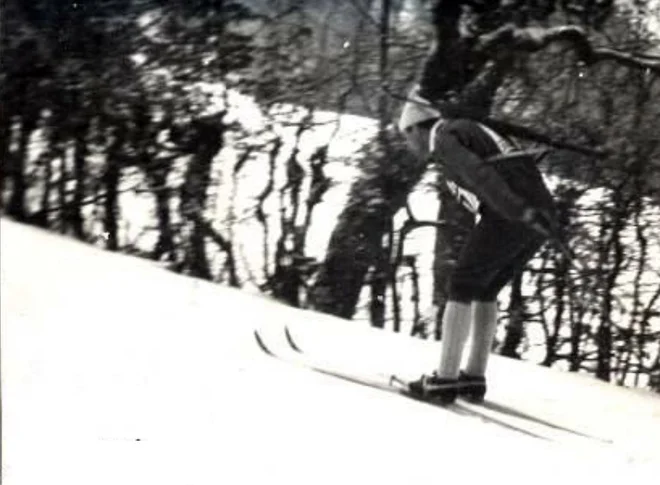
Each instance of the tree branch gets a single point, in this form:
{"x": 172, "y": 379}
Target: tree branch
{"x": 628, "y": 59}
{"x": 533, "y": 39}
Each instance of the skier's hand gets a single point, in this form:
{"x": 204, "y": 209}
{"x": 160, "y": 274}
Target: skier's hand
{"x": 540, "y": 221}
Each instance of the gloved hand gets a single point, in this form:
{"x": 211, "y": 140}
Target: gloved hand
{"x": 540, "y": 221}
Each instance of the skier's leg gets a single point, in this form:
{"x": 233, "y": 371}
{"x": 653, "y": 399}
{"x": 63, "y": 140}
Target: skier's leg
{"x": 455, "y": 328}
{"x": 486, "y": 264}
{"x": 442, "y": 386}
{"x": 479, "y": 261}
{"x": 472, "y": 380}
{"x": 484, "y": 310}
{"x": 483, "y": 327}
{"x": 467, "y": 283}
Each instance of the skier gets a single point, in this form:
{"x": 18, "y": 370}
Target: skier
{"x": 515, "y": 214}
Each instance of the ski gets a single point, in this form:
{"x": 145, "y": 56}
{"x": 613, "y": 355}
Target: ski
{"x": 393, "y": 381}
{"x": 293, "y": 354}
{"x": 487, "y": 411}
{"x": 297, "y": 357}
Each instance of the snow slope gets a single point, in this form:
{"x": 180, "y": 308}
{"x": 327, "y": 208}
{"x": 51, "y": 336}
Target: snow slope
{"x": 117, "y": 371}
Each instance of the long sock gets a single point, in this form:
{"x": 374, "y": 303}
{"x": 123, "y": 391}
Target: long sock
{"x": 484, "y": 325}
{"x": 455, "y": 328}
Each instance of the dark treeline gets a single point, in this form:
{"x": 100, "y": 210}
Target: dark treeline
{"x": 99, "y": 99}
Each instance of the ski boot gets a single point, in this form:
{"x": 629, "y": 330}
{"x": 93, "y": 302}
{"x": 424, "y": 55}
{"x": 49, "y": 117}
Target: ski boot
{"x": 435, "y": 389}
{"x": 472, "y": 388}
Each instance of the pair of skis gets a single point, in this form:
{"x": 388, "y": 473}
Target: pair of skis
{"x": 488, "y": 412}
{"x": 291, "y": 352}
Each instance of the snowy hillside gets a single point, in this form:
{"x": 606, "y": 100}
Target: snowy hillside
{"x": 116, "y": 371}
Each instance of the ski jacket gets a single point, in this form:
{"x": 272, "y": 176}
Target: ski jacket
{"x": 462, "y": 147}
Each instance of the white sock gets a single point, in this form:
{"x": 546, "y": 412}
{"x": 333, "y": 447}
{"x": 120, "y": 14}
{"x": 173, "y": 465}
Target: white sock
{"x": 455, "y": 328}
{"x": 484, "y": 325}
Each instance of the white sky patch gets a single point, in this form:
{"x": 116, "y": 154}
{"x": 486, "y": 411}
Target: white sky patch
{"x": 139, "y": 59}
{"x": 653, "y": 20}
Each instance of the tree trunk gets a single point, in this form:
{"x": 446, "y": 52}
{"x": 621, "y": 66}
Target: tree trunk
{"x": 74, "y": 210}
{"x": 5, "y": 155}
{"x": 206, "y": 136}
{"x": 560, "y": 284}
{"x": 515, "y": 330}
{"x": 414, "y": 282}
{"x": 381, "y": 267}
{"x": 378, "y": 286}
{"x": 111, "y": 179}
{"x": 604, "y": 334}
{"x": 156, "y": 171}
{"x": 16, "y": 207}
{"x": 286, "y": 280}
{"x": 374, "y": 198}
{"x": 604, "y": 356}
{"x": 44, "y": 206}
{"x": 111, "y": 205}
{"x": 61, "y": 189}
{"x": 575, "y": 358}
{"x": 383, "y": 97}
{"x": 157, "y": 179}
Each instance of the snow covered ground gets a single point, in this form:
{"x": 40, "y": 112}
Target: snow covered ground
{"x": 117, "y": 371}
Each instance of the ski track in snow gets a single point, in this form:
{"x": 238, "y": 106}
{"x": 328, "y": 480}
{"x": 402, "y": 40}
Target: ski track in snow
{"x": 117, "y": 371}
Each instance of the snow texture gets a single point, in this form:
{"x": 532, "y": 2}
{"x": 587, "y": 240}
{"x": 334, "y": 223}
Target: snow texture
{"x": 117, "y": 371}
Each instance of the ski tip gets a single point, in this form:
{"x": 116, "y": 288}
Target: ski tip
{"x": 290, "y": 340}
{"x": 261, "y": 344}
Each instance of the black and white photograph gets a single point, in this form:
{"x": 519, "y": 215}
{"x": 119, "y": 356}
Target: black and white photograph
{"x": 329, "y": 242}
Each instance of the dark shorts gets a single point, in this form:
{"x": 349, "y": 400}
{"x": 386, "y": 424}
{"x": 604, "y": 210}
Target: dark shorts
{"x": 497, "y": 247}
